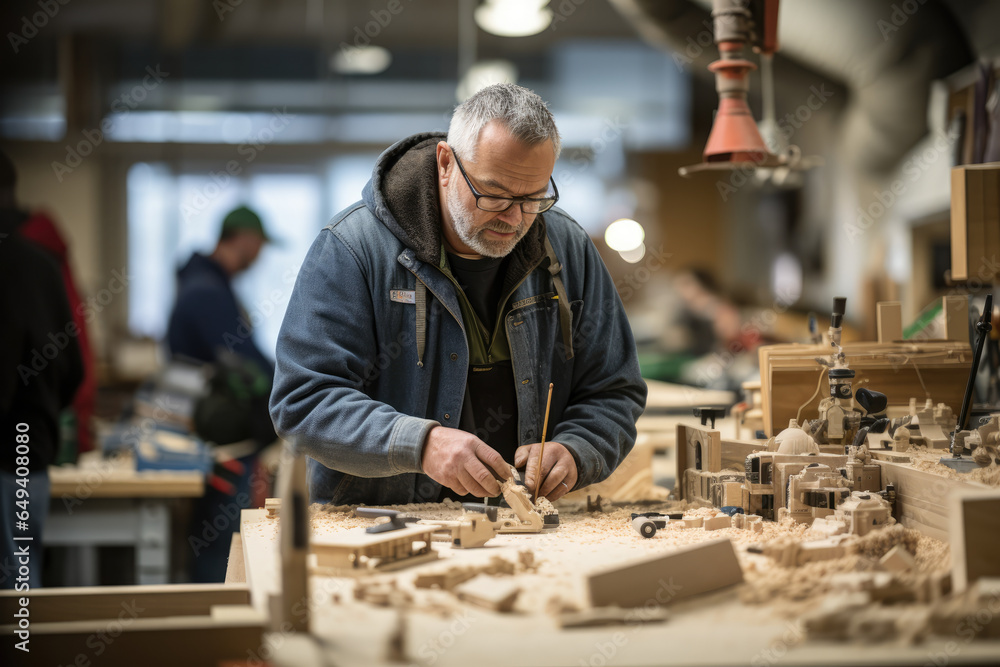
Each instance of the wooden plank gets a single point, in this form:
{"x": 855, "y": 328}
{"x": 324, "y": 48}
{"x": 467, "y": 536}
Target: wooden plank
{"x": 889, "y": 321}
{"x": 99, "y": 482}
{"x": 959, "y": 236}
{"x": 133, "y": 639}
{"x": 975, "y": 536}
{"x": 260, "y": 556}
{"x": 105, "y": 602}
{"x": 666, "y": 578}
{"x": 236, "y": 567}
{"x": 789, "y": 375}
{"x": 922, "y": 498}
{"x": 735, "y": 452}
{"x": 692, "y": 442}
{"x": 956, "y": 317}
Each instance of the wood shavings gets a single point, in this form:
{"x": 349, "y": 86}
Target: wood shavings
{"x": 877, "y": 543}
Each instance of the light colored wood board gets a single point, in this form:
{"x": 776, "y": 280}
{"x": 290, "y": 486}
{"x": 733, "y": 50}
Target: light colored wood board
{"x": 106, "y": 602}
{"x": 134, "y": 640}
{"x": 686, "y": 572}
{"x": 922, "y": 497}
{"x": 631, "y": 481}
{"x": 889, "y": 321}
{"x": 959, "y": 233}
{"x": 690, "y": 441}
{"x": 790, "y": 373}
{"x": 236, "y": 566}
{"x": 956, "y": 317}
{"x": 670, "y": 396}
{"x": 102, "y": 483}
{"x": 975, "y": 536}
{"x": 260, "y": 556}
{"x": 735, "y": 452}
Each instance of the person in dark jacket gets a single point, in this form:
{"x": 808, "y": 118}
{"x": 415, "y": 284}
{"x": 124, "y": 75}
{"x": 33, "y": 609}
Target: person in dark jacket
{"x": 428, "y": 320}
{"x": 207, "y": 317}
{"x": 208, "y": 325}
{"x": 40, "y": 370}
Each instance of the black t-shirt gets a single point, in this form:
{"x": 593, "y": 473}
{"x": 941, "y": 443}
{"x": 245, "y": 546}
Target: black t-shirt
{"x": 482, "y": 280}
{"x": 490, "y": 410}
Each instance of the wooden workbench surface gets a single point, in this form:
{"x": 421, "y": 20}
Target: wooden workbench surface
{"x": 97, "y": 477}
{"x": 754, "y": 623}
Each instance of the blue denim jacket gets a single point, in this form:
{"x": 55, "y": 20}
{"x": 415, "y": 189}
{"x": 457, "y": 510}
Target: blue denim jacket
{"x": 351, "y": 392}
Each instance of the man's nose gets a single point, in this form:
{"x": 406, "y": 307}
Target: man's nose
{"x": 512, "y": 216}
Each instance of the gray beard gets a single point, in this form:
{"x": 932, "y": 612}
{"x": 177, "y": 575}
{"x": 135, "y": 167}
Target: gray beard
{"x": 475, "y": 238}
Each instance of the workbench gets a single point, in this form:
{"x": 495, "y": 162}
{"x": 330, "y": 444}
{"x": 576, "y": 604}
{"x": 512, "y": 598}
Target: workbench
{"x": 105, "y": 502}
{"x": 715, "y": 629}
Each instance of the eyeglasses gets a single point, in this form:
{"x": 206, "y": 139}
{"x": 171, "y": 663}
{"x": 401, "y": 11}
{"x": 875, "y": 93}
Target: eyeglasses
{"x": 530, "y": 205}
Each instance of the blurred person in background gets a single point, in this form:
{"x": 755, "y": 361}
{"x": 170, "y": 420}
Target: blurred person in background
{"x": 209, "y": 326}
{"x": 41, "y": 368}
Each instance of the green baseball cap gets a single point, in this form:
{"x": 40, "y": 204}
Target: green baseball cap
{"x": 244, "y": 218}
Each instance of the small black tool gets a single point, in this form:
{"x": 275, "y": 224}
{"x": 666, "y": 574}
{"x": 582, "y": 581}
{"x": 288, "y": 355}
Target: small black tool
{"x": 396, "y": 521}
{"x": 709, "y": 413}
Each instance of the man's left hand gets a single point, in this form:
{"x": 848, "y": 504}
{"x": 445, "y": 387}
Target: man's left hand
{"x": 558, "y": 469}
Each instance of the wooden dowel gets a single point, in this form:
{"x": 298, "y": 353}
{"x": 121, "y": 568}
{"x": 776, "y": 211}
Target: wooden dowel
{"x": 541, "y": 450}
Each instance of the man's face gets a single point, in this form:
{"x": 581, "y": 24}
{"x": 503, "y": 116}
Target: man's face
{"x": 248, "y": 245}
{"x": 504, "y": 167}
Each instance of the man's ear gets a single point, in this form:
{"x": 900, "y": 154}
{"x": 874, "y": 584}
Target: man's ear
{"x": 444, "y": 159}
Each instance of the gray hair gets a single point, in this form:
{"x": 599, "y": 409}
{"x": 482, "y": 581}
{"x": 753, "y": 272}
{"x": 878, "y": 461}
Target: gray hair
{"x": 520, "y": 110}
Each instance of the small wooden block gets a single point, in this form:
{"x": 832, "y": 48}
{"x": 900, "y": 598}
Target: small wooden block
{"x": 889, "y": 321}
{"x": 897, "y": 559}
{"x": 665, "y": 578}
{"x": 975, "y": 536}
{"x": 956, "y": 317}
{"x": 718, "y": 522}
{"x": 588, "y": 618}
{"x": 694, "y": 522}
{"x": 273, "y": 507}
{"x": 498, "y": 594}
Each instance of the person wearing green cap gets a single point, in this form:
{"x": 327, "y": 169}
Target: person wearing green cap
{"x": 208, "y": 325}
{"x": 207, "y": 318}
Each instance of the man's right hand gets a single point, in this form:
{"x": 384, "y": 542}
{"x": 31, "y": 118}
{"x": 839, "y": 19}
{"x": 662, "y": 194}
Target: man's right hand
{"x": 463, "y": 462}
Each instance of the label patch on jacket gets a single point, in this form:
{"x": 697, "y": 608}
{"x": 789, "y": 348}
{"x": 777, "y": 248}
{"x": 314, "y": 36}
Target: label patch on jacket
{"x": 403, "y": 295}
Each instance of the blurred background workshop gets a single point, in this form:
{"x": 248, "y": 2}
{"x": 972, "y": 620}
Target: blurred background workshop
{"x": 790, "y": 199}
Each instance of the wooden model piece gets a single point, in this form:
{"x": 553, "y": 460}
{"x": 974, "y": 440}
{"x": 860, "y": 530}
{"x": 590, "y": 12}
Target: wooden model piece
{"x": 975, "y": 536}
{"x": 476, "y": 527}
{"x": 665, "y": 578}
{"x": 496, "y": 593}
{"x": 889, "y": 321}
{"x": 293, "y": 536}
{"x": 521, "y": 516}
{"x": 359, "y": 552}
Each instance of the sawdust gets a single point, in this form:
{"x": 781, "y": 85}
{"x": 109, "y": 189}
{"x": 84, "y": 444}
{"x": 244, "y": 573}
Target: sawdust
{"x": 929, "y": 460}
{"x": 877, "y": 543}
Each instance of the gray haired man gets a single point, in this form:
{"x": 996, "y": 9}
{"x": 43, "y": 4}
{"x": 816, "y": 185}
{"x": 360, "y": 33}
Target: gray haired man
{"x": 429, "y": 318}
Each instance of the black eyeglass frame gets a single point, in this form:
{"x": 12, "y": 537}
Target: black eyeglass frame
{"x": 511, "y": 200}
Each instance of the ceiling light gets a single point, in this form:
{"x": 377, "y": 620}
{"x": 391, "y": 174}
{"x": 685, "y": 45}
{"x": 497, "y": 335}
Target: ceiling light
{"x": 513, "y": 18}
{"x": 485, "y": 73}
{"x": 624, "y": 235}
{"x": 634, "y": 255}
{"x": 360, "y": 60}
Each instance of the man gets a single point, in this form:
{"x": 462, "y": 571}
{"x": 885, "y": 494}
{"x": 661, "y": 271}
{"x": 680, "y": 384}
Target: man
{"x": 429, "y": 319}
{"x": 207, "y": 317}
{"x": 41, "y": 367}
{"x": 208, "y": 325}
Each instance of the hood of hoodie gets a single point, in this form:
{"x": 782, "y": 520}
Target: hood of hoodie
{"x": 403, "y": 195}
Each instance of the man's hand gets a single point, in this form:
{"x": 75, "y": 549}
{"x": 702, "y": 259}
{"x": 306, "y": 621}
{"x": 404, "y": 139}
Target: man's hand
{"x": 463, "y": 462}
{"x": 558, "y": 469}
